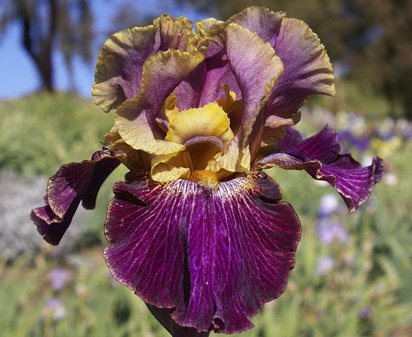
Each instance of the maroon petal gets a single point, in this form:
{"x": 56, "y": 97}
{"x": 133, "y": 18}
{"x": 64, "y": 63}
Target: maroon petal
{"x": 104, "y": 166}
{"x": 71, "y": 184}
{"x": 320, "y": 155}
{"x": 213, "y": 257}
{"x": 164, "y": 316}
{"x": 50, "y": 226}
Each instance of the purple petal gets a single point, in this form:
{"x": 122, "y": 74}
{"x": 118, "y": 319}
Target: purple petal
{"x": 250, "y": 72}
{"x": 213, "y": 257}
{"x": 189, "y": 91}
{"x": 119, "y": 69}
{"x": 256, "y": 69}
{"x": 260, "y": 20}
{"x": 104, "y": 166}
{"x": 66, "y": 189}
{"x": 217, "y": 72}
{"x": 50, "y": 226}
{"x": 322, "y": 146}
{"x": 307, "y": 70}
{"x": 204, "y": 84}
{"x": 118, "y": 73}
{"x": 320, "y": 156}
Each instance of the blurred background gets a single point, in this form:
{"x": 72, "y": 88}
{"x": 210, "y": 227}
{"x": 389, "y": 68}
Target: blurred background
{"x": 353, "y": 272}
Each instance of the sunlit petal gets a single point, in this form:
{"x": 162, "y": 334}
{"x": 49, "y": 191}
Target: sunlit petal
{"x": 320, "y": 156}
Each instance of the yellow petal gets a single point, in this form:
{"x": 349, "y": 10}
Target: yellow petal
{"x": 131, "y": 158}
{"x": 229, "y": 100}
{"x": 166, "y": 168}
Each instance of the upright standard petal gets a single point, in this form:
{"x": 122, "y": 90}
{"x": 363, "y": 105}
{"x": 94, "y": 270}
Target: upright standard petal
{"x": 119, "y": 68}
{"x": 320, "y": 156}
{"x": 71, "y": 184}
{"x": 204, "y": 84}
{"x": 307, "y": 70}
{"x": 214, "y": 256}
{"x": 260, "y": 20}
{"x": 256, "y": 70}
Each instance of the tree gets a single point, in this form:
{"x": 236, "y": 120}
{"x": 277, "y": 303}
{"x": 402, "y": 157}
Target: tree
{"x": 385, "y": 62}
{"x": 47, "y": 25}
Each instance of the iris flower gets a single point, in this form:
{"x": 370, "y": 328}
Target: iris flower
{"x": 197, "y": 229}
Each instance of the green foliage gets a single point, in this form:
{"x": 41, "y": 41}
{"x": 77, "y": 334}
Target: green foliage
{"x": 40, "y": 132}
{"x": 93, "y": 304}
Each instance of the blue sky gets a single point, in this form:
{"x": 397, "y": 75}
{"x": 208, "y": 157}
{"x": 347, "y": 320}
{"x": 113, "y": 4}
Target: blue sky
{"x": 18, "y": 75}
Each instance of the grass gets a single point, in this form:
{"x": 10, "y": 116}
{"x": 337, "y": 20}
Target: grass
{"x": 40, "y": 132}
{"x": 367, "y": 293}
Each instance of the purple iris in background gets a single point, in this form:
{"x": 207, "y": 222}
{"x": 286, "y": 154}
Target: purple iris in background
{"x": 360, "y": 143}
{"x": 329, "y": 205}
{"x": 58, "y": 278}
{"x": 325, "y": 265}
{"x": 197, "y": 230}
{"x": 330, "y": 232}
{"x": 54, "y": 308}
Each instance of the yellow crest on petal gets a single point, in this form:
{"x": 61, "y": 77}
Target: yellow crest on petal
{"x": 209, "y": 121}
